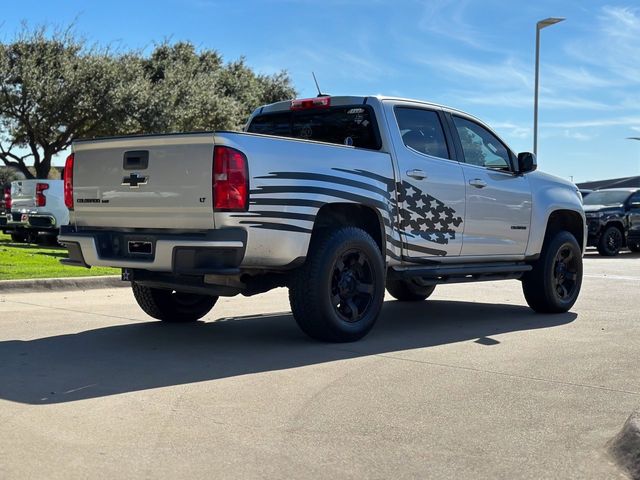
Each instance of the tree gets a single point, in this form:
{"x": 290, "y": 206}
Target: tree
{"x": 54, "y": 88}
{"x": 8, "y": 175}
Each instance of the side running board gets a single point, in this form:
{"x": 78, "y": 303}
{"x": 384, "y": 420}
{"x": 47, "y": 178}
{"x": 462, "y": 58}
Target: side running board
{"x": 459, "y": 273}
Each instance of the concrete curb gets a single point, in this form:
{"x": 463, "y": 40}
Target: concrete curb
{"x": 625, "y": 446}
{"x": 61, "y": 284}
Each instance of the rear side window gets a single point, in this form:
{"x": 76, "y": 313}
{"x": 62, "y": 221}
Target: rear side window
{"x": 422, "y": 131}
{"x": 353, "y": 125}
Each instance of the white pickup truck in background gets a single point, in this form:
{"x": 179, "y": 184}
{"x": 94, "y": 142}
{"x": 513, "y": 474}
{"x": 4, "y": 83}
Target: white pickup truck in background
{"x": 37, "y": 211}
{"x": 335, "y": 198}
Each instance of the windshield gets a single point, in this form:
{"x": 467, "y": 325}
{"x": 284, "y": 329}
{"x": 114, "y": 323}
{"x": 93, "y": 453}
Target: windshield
{"x": 351, "y": 125}
{"x": 606, "y": 198}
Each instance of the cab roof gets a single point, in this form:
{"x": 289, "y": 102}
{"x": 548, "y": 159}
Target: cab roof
{"x": 339, "y": 100}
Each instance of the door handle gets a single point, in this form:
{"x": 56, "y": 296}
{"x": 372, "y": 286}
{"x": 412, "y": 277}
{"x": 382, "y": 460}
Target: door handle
{"x": 476, "y": 182}
{"x": 417, "y": 174}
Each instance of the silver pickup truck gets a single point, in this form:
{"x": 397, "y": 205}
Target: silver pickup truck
{"x": 335, "y": 198}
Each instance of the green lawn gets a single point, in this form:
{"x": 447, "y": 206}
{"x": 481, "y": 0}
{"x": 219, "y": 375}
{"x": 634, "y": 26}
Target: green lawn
{"x": 24, "y": 260}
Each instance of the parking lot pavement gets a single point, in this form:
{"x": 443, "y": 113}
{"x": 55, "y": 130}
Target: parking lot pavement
{"x": 470, "y": 384}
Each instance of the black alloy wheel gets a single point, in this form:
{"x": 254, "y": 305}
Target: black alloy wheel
{"x": 565, "y": 272}
{"x": 610, "y": 242}
{"x": 352, "y": 285}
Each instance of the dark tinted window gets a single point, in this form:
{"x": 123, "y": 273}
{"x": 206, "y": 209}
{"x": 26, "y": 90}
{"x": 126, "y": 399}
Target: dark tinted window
{"x": 353, "y": 126}
{"x": 481, "y": 147}
{"x": 422, "y": 131}
{"x": 275, "y": 124}
{"x": 635, "y": 199}
{"x": 607, "y": 197}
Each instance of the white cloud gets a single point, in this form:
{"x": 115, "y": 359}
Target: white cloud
{"x": 575, "y": 78}
{"x": 523, "y": 99}
{"x": 577, "y": 135}
{"x": 448, "y": 18}
{"x": 511, "y": 130}
{"x": 598, "y": 122}
{"x": 507, "y": 73}
{"x": 613, "y": 45}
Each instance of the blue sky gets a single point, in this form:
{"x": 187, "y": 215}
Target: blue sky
{"x": 474, "y": 55}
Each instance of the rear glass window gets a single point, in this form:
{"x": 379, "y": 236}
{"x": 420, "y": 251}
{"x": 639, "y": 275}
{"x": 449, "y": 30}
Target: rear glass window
{"x": 353, "y": 125}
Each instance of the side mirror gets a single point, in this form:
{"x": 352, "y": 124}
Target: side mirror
{"x": 527, "y": 162}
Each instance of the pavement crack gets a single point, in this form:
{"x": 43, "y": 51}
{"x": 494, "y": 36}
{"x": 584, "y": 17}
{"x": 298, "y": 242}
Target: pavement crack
{"x": 504, "y": 374}
{"x": 70, "y": 310}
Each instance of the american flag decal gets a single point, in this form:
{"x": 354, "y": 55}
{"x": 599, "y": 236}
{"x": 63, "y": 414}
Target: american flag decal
{"x": 420, "y": 214}
{"x": 425, "y": 216}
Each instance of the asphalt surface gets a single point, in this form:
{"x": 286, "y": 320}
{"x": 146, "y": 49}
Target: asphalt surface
{"x": 471, "y": 384}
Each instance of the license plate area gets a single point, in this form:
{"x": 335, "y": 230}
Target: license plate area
{"x": 140, "y": 248}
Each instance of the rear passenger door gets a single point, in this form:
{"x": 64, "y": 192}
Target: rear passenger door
{"x": 431, "y": 191}
{"x": 498, "y": 200}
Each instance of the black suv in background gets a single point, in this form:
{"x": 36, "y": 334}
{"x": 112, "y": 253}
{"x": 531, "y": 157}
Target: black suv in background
{"x": 613, "y": 218}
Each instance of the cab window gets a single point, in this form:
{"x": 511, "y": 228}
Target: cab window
{"x": 422, "y": 131}
{"x": 480, "y": 146}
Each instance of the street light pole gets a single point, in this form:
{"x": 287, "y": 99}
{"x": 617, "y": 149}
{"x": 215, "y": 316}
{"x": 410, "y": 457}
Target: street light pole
{"x": 539, "y": 26}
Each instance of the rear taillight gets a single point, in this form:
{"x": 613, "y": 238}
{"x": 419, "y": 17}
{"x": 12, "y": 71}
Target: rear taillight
{"x": 7, "y": 198}
{"x": 41, "y": 200}
{"x": 230, "y": 179}
{"x": 68, "y": 182}
{"x": 309, "y": 103}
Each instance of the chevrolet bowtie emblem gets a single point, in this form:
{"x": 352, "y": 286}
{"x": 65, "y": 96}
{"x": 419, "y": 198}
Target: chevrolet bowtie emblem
{"x": 134, "y": 180}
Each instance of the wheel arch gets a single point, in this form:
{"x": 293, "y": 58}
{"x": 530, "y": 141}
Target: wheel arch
{"x": 567, "y": 220}
{"x": 359, "y": 215}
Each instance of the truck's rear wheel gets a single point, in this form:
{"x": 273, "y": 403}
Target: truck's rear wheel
{"x": 610, "y": 242}
{"x": 172, "y": 306}
{"x": 337, "y": 295}
{"x": 554, "y": 283}
{"x": 408, "y": 291}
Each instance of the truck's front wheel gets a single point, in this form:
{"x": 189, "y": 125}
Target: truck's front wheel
{"x": 554, "y": 283}
{"x": 610, "y": 242}
{"x": 337, "y": 295}
{"x": 172, "y": 306}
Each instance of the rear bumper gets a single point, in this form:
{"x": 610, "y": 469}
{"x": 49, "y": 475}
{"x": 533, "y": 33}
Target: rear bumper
{"x": 41, "y": 222}
{"x": 213, "y": 251}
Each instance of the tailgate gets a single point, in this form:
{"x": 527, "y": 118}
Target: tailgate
{"x": 23, "y": 194}
{"x": 161, "y": 181}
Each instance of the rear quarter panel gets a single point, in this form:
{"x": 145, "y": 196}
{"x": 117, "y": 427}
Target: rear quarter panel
{"x": 290, "y": 180}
